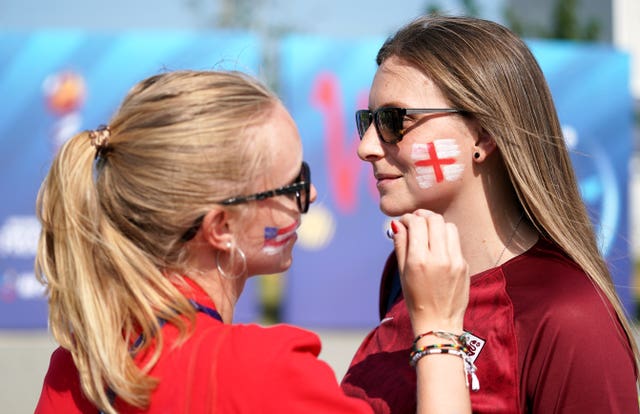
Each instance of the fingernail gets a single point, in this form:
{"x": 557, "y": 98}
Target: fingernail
{"x": 392, "y": 230}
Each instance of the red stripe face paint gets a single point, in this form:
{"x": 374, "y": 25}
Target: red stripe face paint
{"x": 436, "y": 162}
{"x": 276, "y": 238}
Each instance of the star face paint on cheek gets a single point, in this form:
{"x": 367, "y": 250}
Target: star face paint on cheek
{"x": 436, "y": 162}
{"x": 276, "y": 238}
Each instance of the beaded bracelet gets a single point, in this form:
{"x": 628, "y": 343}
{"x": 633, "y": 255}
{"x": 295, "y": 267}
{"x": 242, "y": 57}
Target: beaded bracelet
{"x": 458, "y": 348}
{"x": 469, "y": 367}
{"x": 458, "y": 339}
{"x": 418, "y": 353}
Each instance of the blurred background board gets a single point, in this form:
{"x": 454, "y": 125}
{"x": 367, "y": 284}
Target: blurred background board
{"x": 56, "y": 83}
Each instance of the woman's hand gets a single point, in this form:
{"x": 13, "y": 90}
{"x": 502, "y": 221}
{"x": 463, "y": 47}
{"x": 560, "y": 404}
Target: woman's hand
{"x": 433, "y": 273}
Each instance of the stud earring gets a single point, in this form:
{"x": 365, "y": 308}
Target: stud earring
{"x": 476, "y": 155}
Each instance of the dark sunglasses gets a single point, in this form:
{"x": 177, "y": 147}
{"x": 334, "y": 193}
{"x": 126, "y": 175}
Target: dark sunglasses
{"x": 301, "y": 187}
{"x": 389, "y": 121}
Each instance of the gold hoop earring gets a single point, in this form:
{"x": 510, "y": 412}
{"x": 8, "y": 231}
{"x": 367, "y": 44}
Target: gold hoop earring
{"x": 233, "y": 257}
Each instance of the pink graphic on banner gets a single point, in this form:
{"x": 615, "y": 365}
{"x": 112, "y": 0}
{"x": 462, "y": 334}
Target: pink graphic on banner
{"x": 343, "y": 165}
{"x": 436, "y": 162}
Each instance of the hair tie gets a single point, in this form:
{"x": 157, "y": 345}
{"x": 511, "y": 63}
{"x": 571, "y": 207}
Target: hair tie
{"x": 100, "y": 139}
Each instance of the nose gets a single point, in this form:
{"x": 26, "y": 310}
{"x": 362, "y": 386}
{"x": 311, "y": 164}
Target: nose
{"x": 370, "y": 147}
{"x": 313, "y": 194}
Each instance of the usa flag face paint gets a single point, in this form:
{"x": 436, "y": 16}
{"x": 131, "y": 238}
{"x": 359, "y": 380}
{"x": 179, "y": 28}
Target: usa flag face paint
{"x": 436, "y": 162}
{"x": 276, "y": 238}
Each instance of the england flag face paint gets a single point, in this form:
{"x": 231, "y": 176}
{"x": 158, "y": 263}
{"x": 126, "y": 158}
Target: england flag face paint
{"x": 436, "y": 162}
{"x": 276, "y": 238}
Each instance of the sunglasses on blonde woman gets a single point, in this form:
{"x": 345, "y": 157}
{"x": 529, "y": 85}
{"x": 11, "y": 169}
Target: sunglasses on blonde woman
{"x": 301, "y": 188}
{"x": 389, "y": 120}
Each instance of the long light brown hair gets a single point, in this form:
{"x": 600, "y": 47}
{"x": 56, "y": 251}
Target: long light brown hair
{"x": 490, "y": 73}
{"x": 112, "y": 226}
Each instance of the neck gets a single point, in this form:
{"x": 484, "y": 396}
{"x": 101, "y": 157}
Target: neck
{"x": 223, "y": 292}
{"x": 492, "y": 240}
{"x": 496, "y": 229}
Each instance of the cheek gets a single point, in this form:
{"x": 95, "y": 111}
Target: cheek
{"x": 277, "y": 238}
{"x": 436, "y": 162}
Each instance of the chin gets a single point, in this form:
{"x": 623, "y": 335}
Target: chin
{"x": 285, "y": 267}
{"x": 276, "y": 263}
{"x": 393, "y": 209}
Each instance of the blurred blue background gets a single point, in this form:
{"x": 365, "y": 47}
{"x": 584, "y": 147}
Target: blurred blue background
{"x": 65, "y": 66}
{"x": 57, "y": 81}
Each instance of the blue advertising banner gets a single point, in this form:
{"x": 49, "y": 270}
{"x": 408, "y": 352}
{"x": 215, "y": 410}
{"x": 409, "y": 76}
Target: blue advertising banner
{"x": 592, "y": 91}
{"x": 342, "y": 244}
{"x": 54, "y": 84}
{"x": 335, "y": 276}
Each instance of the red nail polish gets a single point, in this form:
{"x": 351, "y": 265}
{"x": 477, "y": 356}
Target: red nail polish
{"x": 394, "y": 227}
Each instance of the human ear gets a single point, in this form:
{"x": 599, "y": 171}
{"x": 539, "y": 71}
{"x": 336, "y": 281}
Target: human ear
{"x": 484, "y": 146}
{"x": 216, "y": 228}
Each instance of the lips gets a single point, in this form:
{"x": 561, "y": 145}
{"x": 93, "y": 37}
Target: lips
{"x": 382, "y": 178}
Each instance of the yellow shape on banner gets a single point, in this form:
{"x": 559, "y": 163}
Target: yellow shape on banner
{"x": 317, "y": 229}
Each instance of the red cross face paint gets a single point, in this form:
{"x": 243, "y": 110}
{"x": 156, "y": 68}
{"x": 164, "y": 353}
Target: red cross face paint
{"x": 275, "y": 239}
{"x": 436, "y": 162}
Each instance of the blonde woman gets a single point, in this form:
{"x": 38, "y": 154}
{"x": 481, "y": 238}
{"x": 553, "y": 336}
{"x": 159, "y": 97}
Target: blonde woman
{"x": 150, "y": 228}
{"x": 461, "y": 122}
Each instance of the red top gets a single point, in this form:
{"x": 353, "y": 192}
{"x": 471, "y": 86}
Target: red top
{"x": 221, "y": 368}
{"x": 545, "y": 341}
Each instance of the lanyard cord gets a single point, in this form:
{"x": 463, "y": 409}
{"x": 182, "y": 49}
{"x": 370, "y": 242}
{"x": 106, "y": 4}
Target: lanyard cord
{"x": 206, "y": 310}
{"x": 197, "y": 306}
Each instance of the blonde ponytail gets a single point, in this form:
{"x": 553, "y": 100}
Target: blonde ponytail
{"x": 112, "y": 226}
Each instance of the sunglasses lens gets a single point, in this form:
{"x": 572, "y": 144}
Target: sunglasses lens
{"x": 389, "y": 123}
{"x": 364, "y": 118}
{"x": 303, "y": 195}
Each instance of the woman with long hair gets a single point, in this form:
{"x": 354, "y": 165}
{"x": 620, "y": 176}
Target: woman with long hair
{"x": 461, "y": 122}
